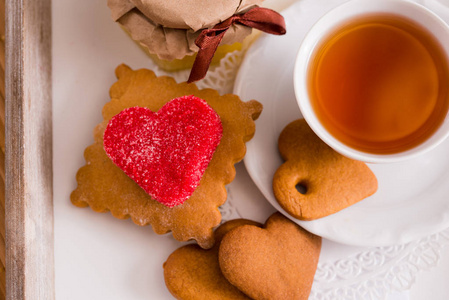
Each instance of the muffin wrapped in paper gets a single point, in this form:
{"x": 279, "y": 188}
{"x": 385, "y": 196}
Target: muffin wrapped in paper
{"x": 169, "y": 28}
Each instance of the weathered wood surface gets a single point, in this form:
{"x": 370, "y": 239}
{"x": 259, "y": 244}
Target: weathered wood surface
{"x": 2, "y": 152}
{"x": 29, "y": 207}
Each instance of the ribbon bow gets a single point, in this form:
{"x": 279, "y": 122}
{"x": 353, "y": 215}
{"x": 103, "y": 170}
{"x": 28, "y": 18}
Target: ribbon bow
{"x": 260, "y": 18}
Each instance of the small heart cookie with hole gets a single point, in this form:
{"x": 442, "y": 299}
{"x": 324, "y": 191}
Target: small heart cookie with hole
{"x": 278, "y": 261}
{"x": 316, "y": 181}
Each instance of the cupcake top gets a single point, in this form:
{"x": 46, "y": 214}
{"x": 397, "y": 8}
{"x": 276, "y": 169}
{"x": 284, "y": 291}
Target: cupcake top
{"x": 168, "y": 28}
{"x": 187, "y": 14}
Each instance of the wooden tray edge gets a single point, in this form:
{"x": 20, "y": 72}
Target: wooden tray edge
{"x": 29, "y": 183}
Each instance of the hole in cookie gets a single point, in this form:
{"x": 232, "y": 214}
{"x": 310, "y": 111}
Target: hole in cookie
{"x": 301, "y": 187}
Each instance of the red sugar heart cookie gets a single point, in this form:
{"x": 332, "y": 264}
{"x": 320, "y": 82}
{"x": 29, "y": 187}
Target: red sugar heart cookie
{"x": 104, "y": 187}
{"x": 165, "y": 152}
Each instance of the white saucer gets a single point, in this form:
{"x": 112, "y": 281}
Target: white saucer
{"x": 413, "y": 197}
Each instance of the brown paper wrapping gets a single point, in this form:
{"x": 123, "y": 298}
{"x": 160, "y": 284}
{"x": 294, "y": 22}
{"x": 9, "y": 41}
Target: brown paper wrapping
{"x": 168, "y": 28}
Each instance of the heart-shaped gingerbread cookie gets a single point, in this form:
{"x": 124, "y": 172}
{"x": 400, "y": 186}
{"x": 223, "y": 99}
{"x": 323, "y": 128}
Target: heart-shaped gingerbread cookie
{"x": 331, "y": 181}
{"x": 275, "y": 262}
{"x": 165, "y": 152}
{"x": 193, "y": 273}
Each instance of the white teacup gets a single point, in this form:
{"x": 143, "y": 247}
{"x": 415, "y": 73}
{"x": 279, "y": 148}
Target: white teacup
{"x": 326, "y": 25}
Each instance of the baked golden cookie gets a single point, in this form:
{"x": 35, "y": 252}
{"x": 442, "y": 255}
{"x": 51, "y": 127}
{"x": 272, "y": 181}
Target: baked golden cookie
{"x": 275, "y": 262}
{"x": 105, "y": 187}
{"x": 331, "y": 180}
{"x": 193, "y": 273}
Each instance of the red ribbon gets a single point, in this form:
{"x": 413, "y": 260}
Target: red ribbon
{"x": 263, "y": 19}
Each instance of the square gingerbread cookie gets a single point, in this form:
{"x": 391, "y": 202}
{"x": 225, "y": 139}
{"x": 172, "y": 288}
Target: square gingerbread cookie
{"x": 104, "y": 187}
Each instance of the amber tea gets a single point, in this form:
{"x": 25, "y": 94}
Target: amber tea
{"x": 379, "y": 84}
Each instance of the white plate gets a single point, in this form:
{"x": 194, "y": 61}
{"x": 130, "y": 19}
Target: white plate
{"x": 413, "y": 197}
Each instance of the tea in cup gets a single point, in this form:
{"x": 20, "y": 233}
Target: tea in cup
{"x": 372, "y": 79}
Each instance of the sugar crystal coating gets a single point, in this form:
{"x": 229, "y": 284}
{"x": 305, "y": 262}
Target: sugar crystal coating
{"x": 165, "y": 152}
